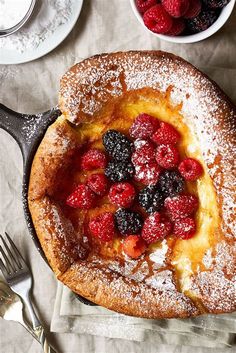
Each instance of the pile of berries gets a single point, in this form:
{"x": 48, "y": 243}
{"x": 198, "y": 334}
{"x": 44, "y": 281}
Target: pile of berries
{"x": 175, "y": 17}
{"x": 145, "y": 177}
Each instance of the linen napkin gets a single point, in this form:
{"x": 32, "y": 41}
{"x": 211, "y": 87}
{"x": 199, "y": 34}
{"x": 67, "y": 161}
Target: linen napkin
{"x": 70, "y": 315}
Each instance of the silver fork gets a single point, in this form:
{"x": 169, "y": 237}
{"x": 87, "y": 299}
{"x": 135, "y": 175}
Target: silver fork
{"x": 11, "y": 307}
{"x": 19, "y": 279}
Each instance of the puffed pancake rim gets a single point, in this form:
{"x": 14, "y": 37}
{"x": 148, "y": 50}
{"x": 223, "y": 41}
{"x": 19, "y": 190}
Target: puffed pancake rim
{"x": 180, "y": 278}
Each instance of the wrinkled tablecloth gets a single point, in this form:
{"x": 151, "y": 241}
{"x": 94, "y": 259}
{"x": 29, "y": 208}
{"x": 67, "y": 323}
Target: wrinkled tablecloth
{"x": 104, "y": 26}
{"x": 70, "y": 315}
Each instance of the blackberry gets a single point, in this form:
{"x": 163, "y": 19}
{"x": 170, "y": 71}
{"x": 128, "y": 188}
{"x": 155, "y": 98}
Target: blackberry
{"x": 110, "y": 139}
{"x": 215, "y": 4}
{"x": 128, "y": 222}
{"x": 203, "y": 21}
{"x": 151, "y": 199}
{"x": 170, "y": 183}
{"x": 117, "y": 145}
{"x": 119, "y": 171}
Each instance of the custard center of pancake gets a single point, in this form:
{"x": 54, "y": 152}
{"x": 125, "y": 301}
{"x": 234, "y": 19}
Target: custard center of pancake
{"x": 185, "y": 256}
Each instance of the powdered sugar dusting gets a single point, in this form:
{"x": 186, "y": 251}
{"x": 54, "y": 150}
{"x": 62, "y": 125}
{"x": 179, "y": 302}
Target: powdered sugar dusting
{"x": 207, "y": 259}
{"x": 64, "y": 242}
{"x": 159, "y": 255}
{"x": 162, "y": 280}
{"x": 64, "y": 142}
{"x": 91, "y": 85}
{"x": 217, "y": 287}
{"x": 142, "y": 297}
{"x": 29, "y": 126}
{"x": 149, "y": 275}
{"x": 84, "y": 91}
{"x": 88, "y": 85}
{"x": 50, "y": 15}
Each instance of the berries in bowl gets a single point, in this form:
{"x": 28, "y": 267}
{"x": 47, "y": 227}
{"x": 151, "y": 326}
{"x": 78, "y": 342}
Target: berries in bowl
{"x": 182, "y": 21}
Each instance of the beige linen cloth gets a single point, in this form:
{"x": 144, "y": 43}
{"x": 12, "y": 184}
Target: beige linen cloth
{"x": 206, "y": 331}
{"x": 104, "y": 26}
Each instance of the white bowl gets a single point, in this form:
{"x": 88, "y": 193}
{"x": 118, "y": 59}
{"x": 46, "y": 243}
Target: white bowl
{"x": 192, "y": 38}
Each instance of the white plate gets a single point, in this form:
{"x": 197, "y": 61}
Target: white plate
{"x": 15, "y": 57}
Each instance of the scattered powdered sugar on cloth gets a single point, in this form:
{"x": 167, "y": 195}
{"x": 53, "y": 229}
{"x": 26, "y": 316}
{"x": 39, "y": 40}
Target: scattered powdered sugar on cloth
{"x": 48, "y": 16}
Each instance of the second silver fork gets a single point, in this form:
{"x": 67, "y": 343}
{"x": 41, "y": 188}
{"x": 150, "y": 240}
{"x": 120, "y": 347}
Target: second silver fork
{"x": 19, "y": 279}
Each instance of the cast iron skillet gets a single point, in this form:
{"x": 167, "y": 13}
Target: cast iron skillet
{"x": 28, "y": 131}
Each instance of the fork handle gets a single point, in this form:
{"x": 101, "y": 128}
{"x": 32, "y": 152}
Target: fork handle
{"x": 37, "y": 327}
{"x": 39, "y": 332}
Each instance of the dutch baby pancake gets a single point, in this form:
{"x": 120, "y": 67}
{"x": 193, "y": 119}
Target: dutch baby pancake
{"x": 132, "y": 189}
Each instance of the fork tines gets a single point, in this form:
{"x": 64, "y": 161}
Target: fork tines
{"x": 11, "y": 256}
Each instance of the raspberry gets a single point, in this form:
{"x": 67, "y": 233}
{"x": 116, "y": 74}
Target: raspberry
{"x": 93, "y": 159}
{"x": 177, "y": 28}
{"x": 117, "y": 145}
{"x": 134, "y": 246}
{"x": 185, "y": 228}
{"x": 119, "y": 171}
{"x": 203, "y": 21}
{"x": 194, "y": 9}
{"x": 181, "y": 206}
{"x": 190, "y": 169}
{"x": 128, "y": 222}
{"x": 143, "y": 126}
{"x": 167, "y": 156}
{"x": 122, "y": 194}
{"x": 103, "y": 226}
{"x": 170, "y": 183}
{"x": 144, "y": 5}
{"x": 176, "y": 8}
{"x": 98, "y": 183}
{"x": 157, "y": 19}
{"x": 155, "y": 227}
{"x": 144, "y": 153}
{"x": 81, "y": 197}
{"x": 147, "y": 174}
{"x": 151, "y": 199}
{"x": 166, "y": 134}
{"x": 215, "y": 4}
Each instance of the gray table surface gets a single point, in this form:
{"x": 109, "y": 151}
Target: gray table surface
{"x": 104, "y": 26}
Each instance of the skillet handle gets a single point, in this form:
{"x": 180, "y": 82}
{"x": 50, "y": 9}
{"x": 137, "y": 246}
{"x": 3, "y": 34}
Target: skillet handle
{"x": 26, "y": 129}
{"x": 13, "y": 123}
